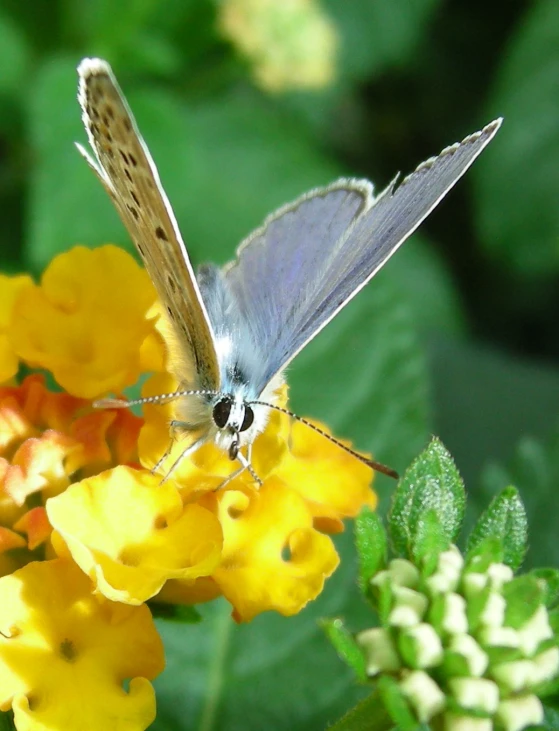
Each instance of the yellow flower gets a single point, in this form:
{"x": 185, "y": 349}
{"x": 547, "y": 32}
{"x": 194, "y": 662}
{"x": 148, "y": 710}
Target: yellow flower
{"x": 291, "y": 44}
{"x": 273, "y": 557}
{"x": 70, "y": 661}
{"x": 10, "y": 289}
{"x": 130, "y": 533}
{"x": 333, "y": 482}
{"x": 309, "y": 485}
{"x": 87, "y": 321}
{"x": 134, "y": 537}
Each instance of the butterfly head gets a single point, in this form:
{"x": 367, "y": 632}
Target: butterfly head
{"x": 232, "y": 416}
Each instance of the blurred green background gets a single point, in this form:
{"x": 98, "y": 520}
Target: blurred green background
{"x": 246, "y": 104}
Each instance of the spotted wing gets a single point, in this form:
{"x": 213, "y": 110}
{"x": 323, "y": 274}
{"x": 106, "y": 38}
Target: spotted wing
{"x": 124, "y": 166}
{"x": 310, "y": 258}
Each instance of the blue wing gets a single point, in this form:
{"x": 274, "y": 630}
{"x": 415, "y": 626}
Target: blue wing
{"x": 310, "y": 258}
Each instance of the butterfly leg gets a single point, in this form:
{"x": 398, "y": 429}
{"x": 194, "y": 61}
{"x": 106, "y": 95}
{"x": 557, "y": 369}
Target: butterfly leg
{"x": 163, "y": 457}
{"x": 186, "y": 453}
{"x": 245, "y": 465}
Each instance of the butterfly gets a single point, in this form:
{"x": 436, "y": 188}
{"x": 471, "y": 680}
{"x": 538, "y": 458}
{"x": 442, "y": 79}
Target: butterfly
{"x": 234, "y": 330}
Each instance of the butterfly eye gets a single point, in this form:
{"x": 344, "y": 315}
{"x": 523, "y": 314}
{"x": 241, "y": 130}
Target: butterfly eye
{"x": 221, "y": 412}
{"x": 248, "y": 419}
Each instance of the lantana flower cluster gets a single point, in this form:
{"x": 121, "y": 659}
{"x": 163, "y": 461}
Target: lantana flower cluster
{"x": 290, "y": 45}
{"x": 89, "y": 534}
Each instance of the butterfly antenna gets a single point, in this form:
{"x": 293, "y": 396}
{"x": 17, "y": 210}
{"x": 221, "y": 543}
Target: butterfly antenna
{"x": 122, "y": 403}
{"x": 374, "y": 465}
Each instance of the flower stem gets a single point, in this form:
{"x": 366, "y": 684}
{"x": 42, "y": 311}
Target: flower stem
{"x": 368, "y": 715}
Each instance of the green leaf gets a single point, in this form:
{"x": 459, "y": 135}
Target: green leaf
{"x": 487, "y": 551}
{"x": 550, "y": 579}
{"x": 396, "y": 704}
{"x": 429, "y": 541}
{"x": 372, "y": 545}
{"x": 345, "y": 646}
{"x": 7, "y": 721}
{"x": 15, "y": 57}
{"x": 519, "y": 223}
{"x": 535, "y": 472}
{"x": 216, "y": 670}
{"x": 61, "y": 215}
{"x": 524, "y": 595}
{"x": 505, "y": 519}
{"x": 551, "y": 718}
{"x": 368, "y": 715}
{"x": 175, "y": 612}
{"x": 377, "y": 35}
{"x": 479, "y": 422}
{"x": 432, "y": 482}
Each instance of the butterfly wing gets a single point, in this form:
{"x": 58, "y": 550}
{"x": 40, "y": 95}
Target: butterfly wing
{"x": 125, "y": 168}
{"x": 310, "y": 258}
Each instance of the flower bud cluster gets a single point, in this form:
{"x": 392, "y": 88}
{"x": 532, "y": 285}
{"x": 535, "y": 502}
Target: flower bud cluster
{"x": 460, "y": 645}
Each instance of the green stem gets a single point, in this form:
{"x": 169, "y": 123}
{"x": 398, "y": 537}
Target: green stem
{"x": 222, "y": 633}
{"x": 368, "y": 715}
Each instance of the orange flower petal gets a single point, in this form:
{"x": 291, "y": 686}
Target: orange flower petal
{"x": 36, "y": 525}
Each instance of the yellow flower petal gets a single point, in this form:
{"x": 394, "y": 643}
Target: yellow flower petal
{"x": 334, "y": 483}
{"x": 65, "y": 656}
{"x": 87, "y": 320}
{"x": 10, "y": 289}
{"x": 130, "y": 533}
{"x": 273, "y": 558}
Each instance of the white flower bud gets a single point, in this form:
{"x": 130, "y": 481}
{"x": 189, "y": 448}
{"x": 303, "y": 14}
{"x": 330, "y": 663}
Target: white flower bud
{"x": 381, "y": 578}
{"x": 493, "y": 613}
{"x": 447, "y": 575}
{"x": 468, "y": 648}
{"x": 499, "y": 574}
{"x": 453, "y": 722}
{"x": 409, "y": 608}
{"x": 454, "y": 619}
{"x": 476, "y": 694}
{"x": 499, "y": 637}
{"x": 474, "y": 583}
{"x": 441, "y": 583}
{"x": 403, "y": 573}
{"x": 535, "y": 630}
{"x": 545, "y": 666}
{"x": 421, "y": 646}
{"x": 513, "y": 676}
{"x": 424, "y": 695}
{"x": 378, "y": 648}
{"x": 451, "y": 562}
{"x": 517, "y": 713}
